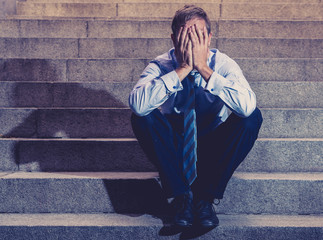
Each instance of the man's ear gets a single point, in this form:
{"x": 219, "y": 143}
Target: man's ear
{"x": 173, "y": 39}
{"x": 209, "y": 39}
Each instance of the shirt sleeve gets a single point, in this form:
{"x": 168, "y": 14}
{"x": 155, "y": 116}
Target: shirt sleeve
{"x": 153, "y": 89}
{"x": 229, "y": 83}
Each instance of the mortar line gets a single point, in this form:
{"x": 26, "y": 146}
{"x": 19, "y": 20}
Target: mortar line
{"x": 87, "y": 29}
{"x": 78, "y": 48}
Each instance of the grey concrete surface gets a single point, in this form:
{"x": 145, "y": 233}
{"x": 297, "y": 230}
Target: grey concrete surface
{"x": 8, "y": 155}
{"x": 94, "y": 123}
{"x": 129, "y": 69}
{"x": 124, "y": 155}
{"x": 273, "y": 94}
{"x": 292, "y": 123}
{"x": 32, "y": 28}
{"x": 271, "y": 11}
{"x": 271, "y": 48}
{"x": 18, "y": 121}
{"x": 132, "y": 48}
{"x": 141, "y": 28}
{"x": 257, "y": 193}
{"x": 7, "y": 7}
{"x": 107, "y": 123}
{"x": 123, "y": 48}
{"x": 67, "y": 9}
{"x": 269, "y": 29}
{"x": 38, "y": 48}
{"x": 121, "y": 227}
{"x": 155, "y": 10}
{"x": 239, "y": 47}
{"x": 105, "y": 70}
{"x": 36, "y": 70}
{"x": 36, "y": 94}
{"x": 281, "y": 69}
{"x": 284, "y": 155}
{"x": 164, "y": 10}
{"x": 137, "y": 1}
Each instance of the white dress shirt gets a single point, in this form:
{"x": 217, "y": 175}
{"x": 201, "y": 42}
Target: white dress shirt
{"x": 159, "y": 86}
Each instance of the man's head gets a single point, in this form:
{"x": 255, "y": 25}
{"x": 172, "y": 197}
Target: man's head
{"x": 187, "y": 13}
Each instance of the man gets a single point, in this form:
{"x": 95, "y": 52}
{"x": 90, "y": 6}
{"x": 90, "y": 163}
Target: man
{"x": 207, "y": 122}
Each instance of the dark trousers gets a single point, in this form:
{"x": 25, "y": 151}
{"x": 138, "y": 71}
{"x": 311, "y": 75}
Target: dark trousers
{"x": 219, "y": 151}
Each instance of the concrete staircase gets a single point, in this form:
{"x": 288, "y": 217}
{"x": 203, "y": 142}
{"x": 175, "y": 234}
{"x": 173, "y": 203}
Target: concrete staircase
{"x": 70, "y": 167}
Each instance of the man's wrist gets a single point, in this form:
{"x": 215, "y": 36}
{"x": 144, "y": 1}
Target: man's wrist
{"x": 183, "y": 71}
{"x": 205, "y": 72}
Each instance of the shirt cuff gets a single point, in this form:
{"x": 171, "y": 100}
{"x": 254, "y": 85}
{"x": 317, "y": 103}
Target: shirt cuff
{"x": 215, "y": 84}
{"x": 172, "y": 82}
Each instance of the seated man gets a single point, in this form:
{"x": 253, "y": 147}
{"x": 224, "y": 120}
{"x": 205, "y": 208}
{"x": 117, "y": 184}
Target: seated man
{"x": 195, "y": 117}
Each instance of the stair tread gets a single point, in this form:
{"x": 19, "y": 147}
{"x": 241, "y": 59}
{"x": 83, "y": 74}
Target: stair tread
{"x": 112, "y": 219}
{"x": 121, "y": 139}
{"x": 292, "y": 176}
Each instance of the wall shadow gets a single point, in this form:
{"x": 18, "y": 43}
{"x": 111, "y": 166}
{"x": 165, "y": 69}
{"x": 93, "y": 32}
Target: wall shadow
{"x": 60, "y": 153}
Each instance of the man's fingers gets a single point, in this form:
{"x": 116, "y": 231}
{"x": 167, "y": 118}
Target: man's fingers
{"x": 183, "y": 36}
{"x": 190, "y": 53}
{"x": 186, "y": 40}
{"x": 199, "y": 34}
{"x": 206, "y": 36}
{"x": 193, "y": 36}
{"x": 179, "y": 35}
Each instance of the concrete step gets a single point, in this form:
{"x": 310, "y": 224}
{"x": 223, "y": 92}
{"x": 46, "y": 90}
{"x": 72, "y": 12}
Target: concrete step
{"x": 147, "y": 227}
{"x": 67, "y": 9}
{"x": 110, "y": 122}
{"x": 128, "y": 70}
{"x": 271, "y": 48}
{"x": 273, "y": 193}
{"x": 152, "y": 10}
{"x": 274, "y": 94}
{"x": 271, "y": 11}
{"x": 175, "y": 1}
{"x": 270, "y": 94}
{"x": 124, "y": 155}
{"x": 132, "y": 48}
{"x": 269, "y": 29}
{"x": 132, "y": 28}
{"x": 157, "y": 10}
{"x": 138, "y": 1}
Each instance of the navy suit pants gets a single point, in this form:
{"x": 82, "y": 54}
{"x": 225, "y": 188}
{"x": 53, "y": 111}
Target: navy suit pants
{"x": 219, "y": 152}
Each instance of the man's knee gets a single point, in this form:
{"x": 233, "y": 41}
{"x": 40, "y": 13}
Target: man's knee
{"x": 253, "y": 122}
{"x": 155, "y": 119}
{"x": 142, "y": 120}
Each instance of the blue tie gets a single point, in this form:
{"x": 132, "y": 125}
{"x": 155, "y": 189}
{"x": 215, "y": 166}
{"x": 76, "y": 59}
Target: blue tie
{"x": 190, "y": 140}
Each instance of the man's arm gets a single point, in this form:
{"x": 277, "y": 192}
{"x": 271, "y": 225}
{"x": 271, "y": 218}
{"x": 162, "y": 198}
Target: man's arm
{"x": 229, "y": 83}
{"x": 200, "y": 50}
{"x": 153, "y": 88}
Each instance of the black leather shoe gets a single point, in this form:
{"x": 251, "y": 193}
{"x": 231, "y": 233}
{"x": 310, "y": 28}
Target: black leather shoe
{"x": 184, "y": 210}
{"x": 205, "y": 214}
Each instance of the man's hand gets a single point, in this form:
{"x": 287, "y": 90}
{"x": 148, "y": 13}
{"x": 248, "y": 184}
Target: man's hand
{"x": 200, "y": 49}
{"x": 183, "y": 53}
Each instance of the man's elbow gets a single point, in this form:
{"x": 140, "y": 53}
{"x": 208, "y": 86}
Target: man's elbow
{"x": 139, "y": 112}
{"x": 137, "y": 108}
{"x": 248, "y": 108}
{"x": 248, "y": 111}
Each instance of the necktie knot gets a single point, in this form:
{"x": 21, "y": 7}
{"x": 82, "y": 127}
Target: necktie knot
{"x": 191, "y": 76}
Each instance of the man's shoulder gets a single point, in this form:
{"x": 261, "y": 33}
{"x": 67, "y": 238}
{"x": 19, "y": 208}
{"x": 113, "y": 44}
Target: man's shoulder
{"x": 166, "y": 61}
{"x": 220, "y": 55}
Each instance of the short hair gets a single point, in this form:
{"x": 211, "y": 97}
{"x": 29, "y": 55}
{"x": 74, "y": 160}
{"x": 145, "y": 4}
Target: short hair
{"x": 187, "y": 13}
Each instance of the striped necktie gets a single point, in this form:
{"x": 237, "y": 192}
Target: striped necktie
{"x": 190, "y": 133}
